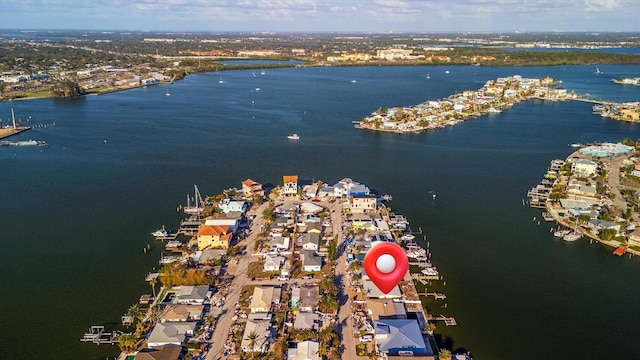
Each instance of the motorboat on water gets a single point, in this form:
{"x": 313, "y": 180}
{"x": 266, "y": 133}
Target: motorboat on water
{"x": 160, "y": 232}
{"x": 293, "y": 137}
{"x": 430, "y": 271}
{"x": 407, "y": 237}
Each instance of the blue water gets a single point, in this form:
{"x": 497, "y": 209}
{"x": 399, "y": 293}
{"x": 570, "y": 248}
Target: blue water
{"x": 75, "y": 215}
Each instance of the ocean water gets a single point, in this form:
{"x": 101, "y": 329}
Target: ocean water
{"x": 75, "y": 215}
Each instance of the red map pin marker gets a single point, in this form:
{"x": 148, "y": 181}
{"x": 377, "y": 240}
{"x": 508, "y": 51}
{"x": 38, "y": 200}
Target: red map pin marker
{"x": 386, "y": 264}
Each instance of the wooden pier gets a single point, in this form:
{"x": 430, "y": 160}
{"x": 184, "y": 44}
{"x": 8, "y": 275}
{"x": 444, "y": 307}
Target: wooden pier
{"x": 98, "y": 336}
{"x": 449, "y": 321}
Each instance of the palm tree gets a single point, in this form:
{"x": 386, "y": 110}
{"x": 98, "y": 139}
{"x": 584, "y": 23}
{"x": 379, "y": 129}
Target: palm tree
{"x": 153, "y": 286}
{"x": 252, "y": 343}
{"x": 444, "y": 354}
{"x": 135, "y": 312}
{"x": 127, "y": 342}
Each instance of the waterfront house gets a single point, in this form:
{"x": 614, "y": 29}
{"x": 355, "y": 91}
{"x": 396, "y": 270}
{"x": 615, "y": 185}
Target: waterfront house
{"x": 228, "y": 206}
{"x": 264, "y": 332}
{"x": 196, "y": 295}
{"x": 231, "y": 222}
{"x": 347, "y": 187}
{"x": 213, "y": 236}
{"x": 164, "y": 352}
{"x": 306, "y": 321}
{"x": 373, "y": 292}
{"x": 310, "y": 261}
{"x": 634, "y": 238}
{"x": 304, "y": 350}
{"x": 310, "y": 190}
{"x": 170, "y": 333}
{"x": 401, "y": 338}
{"x": 584, "y": 167}
{"x": 583, "y": 188}
{"x": 385, "y": 309}
{"x": 263, "y": 298}
{"x": 309, "y": 241}
{"x": 287, "y": 209}
{"x": 181, "y": 313}
{"x": 290, "y": 185}
{"x": 252, "y": 188}
{"x": 363, "y": 203}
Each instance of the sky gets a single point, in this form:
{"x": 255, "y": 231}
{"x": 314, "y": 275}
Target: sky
{"x": 323, "y": 15}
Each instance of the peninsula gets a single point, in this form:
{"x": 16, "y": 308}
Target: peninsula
{"x": 277, "y": 273}
{"x": 493, "y": 97}
{"x": 594, "y": 194}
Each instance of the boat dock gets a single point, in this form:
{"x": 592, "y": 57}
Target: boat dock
{"x": 437, "y": 296}
{"x": 98, "y": 336}
{"x": 10, "y": 131}
{"x": 449, "y": 321}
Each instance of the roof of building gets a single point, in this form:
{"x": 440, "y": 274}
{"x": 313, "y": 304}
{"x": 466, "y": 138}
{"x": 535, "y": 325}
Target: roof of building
{"x": 181, "y": 312}
{"x": 264, "y": 296}
{"x": 262, "y": 328}
{"x": 188, "y": 292}
{"x": 290, "y": 179}
{"x": 164, "y": 352}
{"x": 394, "y": 335}
{"x": 310, "y": 259}
{"x": 372, "y": 291}
{"x": 171, "y": 332}
{"x": 305, "y": 320}
{"x": 305, "y": 350}
{"x": 385, "y": 308}
{"x": 250, "y": 183}
{"x": 214, "y": 230}
{"x": 308, "y": 296}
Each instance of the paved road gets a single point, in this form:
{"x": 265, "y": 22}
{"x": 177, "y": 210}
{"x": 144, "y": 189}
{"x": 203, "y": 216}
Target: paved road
{"x": 226, "y": 312}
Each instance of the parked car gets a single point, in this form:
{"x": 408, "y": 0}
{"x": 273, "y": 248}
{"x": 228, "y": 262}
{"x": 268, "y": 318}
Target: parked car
{"x": 366, "y": 338}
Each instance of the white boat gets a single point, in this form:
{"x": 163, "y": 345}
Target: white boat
{"x": 23, "y": 143}
{"x": 353, "y": 81}
{"x": 160, "y": 232}
{"x": 257, "y": 89}
{"x": 168, "y": 94}
{"x": 430, "y": 271}
{"x": 547, "y": 217}
{"x": 173, "y": 244}
{"x": 446, "y": 72}
{"x": 493, "y": 110}
{"x": 293, "y": 137}
{"x": 262, "y": 72}
{"x": 428, "y": 77}
{"x": 597, "y": 71}
{"x": 221, "y": 81}
{"x": 572, "y": 236}
{"x": 561, "y": 233}
{"x": 407, "y": 237}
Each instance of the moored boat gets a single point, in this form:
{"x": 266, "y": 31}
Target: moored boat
{"x": 160, "y": 232}
{"x": 572, "y": 236}
{"x": 561, "y": 233}
{"x": 293, "y": 137}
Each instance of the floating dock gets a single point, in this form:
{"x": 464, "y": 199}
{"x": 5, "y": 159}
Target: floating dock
{"x": 98, "y": 336}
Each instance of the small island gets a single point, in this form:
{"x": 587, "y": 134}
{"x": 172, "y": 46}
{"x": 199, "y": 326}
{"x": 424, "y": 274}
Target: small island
{"x": 594, "y": 194}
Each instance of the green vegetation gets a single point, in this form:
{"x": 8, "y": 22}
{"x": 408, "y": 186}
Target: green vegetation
{"x": 177, "y": 273}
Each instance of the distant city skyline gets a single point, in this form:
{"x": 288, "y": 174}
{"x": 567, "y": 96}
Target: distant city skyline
{"x": 325, "y": 15}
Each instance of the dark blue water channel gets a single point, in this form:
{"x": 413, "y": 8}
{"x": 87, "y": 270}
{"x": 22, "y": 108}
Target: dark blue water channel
{"x": 75, "y": 215}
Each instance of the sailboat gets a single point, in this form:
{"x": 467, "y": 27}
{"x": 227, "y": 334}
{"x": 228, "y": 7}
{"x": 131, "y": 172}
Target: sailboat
{"x": 428, "y": 77}
{"x": 168, "y": 94}
{"x": 221, "y": 81}
{"x": 262, "y": 72}
{"x": 597, "y": 71}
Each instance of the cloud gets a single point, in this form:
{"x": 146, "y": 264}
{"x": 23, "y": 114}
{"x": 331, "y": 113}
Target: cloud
{"x": 601, "y": 5}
